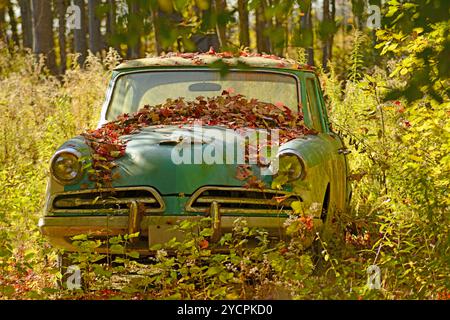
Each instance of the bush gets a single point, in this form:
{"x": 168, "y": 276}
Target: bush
{"x": 39, "y": 112}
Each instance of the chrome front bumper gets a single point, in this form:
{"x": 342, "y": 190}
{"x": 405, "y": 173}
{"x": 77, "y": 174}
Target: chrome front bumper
{"x": 155, "y": 229}
{"x": 79, "y": 214}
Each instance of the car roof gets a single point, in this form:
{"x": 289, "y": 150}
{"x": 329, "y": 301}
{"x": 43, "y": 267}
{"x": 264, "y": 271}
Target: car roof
{"x": 204, "y": 59}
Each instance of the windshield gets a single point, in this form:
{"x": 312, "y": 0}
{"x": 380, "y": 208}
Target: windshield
{"x": 133, "y": 91}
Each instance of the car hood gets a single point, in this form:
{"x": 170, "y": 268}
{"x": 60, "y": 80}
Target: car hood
{"x": 179, "y": 160}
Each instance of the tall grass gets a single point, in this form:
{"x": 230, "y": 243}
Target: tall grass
{"x": 400, "y": 172}
{"x": 38, "y": 112}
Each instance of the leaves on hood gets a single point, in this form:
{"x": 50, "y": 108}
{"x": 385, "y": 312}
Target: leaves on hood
{"x": 232, "y": 111}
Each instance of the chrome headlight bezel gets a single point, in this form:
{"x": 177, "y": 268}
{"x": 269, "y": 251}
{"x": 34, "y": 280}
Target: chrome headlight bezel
{"x": 77, "y": 169}
{"x": 301, "y": 174}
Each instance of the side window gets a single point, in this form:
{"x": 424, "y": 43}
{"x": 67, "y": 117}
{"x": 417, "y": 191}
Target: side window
{"x": 313, "y": 104}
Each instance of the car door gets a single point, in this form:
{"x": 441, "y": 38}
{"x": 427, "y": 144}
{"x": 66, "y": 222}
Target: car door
{"x": 335, "y": 158}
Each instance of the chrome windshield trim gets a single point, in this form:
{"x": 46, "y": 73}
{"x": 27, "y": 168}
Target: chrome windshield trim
{"x": 112, "y": 85}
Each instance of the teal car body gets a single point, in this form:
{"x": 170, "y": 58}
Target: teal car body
{"x": 152, "y": 193}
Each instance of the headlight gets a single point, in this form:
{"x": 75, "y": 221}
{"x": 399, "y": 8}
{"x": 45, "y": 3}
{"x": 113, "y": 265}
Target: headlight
{"x": 65, "y": 166}
{"x": 291, "y": 166}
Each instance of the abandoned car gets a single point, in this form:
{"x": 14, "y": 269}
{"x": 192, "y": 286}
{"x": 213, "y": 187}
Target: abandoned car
{"x": 146, "y": 168}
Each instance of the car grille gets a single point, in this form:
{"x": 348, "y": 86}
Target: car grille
{"x": 117, "y": 200}
{"x": 233, "y": 200}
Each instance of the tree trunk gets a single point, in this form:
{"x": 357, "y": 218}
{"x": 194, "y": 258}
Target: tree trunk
{"x": 163, "y": 21}
{"x": 358, "y": 8}
{"x": 13, "y": 24}
{"x": 207, "y": 36}
{"x": 307, "y": 29}
{"x": 375, "y": 52}
{"x": 325, "y": 35}
{"x": 79, "y": 35}
{"x": 333, "y": 21}
{"x": 156, "y": 30}
{"x": 280, "y": 43}
{"x": 221, "y": 8}
{"x": 259, "y": 29}
{"x": 61, "y": 8}
{"x": 111, "y": 18}
{"x": 262, "y": 41}
{"x": 111, "y": 26}
{"x": 2, "y": 25}
{"x": 27, "y": 24}
{"x": 95, "y": 37}
{"x": 43, "y": 32}
{"x": 244, "y": 33}
{"x": 135, "y": 26}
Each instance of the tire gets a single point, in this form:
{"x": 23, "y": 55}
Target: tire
{"x": 316, "y": 247}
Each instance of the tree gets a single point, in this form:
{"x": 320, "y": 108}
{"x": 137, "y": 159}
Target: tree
{"x": 134, "y": 29}
{"x": 111, "y": 24}
{"x": 79, "y": 34}
{"x": 166, "y": 21}
{"x": 13, "y": 24}
{"x": 43, "y": 32}
{"x": 261, "y": 27}
{"x": 307, "y": 33}
{"x": 2, "y": 23}
{"x": 95, "y": 37}
{"x": 61, "y": 8}
{"x": 206, "y": 35}
{"x": 328, "y": 28}
{"x": 244, "y": 33}
{"x": 280, "y": 13}
{"x": 358, "y": 7}
{"x": 221, "y": 21}
{"x": 27, "y": 23}
{"x": 156, "y": 29}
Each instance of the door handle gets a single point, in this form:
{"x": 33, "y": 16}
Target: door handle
{"x": 344, "y": 151}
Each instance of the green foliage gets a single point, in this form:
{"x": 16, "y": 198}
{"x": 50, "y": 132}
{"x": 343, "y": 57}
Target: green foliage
{"x": 419, "y": 33}
{"x": 356, "y": 57}
{"x": 38, "y": 114}
{"x": 194, "y": 268}
{"x": 400, "y": 171}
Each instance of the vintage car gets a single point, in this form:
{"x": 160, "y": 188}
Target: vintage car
{"x": 152, "y": 192}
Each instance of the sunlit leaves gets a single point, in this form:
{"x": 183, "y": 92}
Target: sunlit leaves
{"x": 417, "y": 34}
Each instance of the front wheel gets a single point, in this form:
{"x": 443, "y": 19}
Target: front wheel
{"x": 317, "y": 246}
